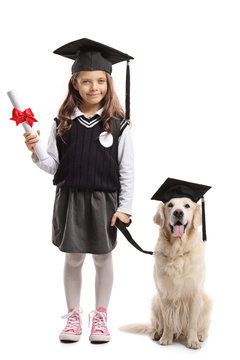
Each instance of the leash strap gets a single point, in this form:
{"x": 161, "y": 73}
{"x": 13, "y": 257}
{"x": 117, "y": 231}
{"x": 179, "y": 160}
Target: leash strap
{"x": 123, "y": 228}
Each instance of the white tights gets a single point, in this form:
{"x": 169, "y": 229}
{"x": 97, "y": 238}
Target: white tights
{"x": 73, "y": 279}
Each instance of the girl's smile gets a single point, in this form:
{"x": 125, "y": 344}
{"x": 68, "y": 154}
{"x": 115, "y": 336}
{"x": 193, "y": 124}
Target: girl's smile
{"x": 93, "y": 94}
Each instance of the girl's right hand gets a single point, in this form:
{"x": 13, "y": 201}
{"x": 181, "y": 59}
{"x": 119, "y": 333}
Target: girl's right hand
{"x": 31, "y": 141}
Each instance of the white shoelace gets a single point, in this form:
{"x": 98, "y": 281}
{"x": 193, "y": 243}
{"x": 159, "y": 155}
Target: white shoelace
{"x": 98, "y": 320}
{"x": 73, "y": 319}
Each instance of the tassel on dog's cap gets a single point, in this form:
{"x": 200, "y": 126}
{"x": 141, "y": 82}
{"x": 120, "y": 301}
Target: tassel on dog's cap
{"x": 91, "y": 55}
{"x": 174, "y": 188}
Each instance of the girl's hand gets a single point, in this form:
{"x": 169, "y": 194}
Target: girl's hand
{"x": 31, "y": 141}
{"x": 123, "y": 217}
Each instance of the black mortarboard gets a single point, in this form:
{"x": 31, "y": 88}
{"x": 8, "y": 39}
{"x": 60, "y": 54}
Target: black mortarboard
{"x": 91, "y": 55}
{"x": 174, "y": 188}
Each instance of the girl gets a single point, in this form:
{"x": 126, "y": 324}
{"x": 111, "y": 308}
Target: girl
{"x": 91, "y": 157}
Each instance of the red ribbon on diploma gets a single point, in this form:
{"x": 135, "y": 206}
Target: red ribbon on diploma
{"x": 21, "y": 116}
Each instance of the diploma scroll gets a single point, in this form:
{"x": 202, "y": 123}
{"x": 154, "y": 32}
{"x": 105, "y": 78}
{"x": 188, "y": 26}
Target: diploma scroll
{"x": 19, "y": 104}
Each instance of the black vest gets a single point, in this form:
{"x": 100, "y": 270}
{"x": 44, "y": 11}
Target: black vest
{"x": 87, "y": 162}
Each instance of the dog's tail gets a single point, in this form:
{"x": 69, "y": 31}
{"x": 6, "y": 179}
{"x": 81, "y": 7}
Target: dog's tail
{"x": 137, "y": 328}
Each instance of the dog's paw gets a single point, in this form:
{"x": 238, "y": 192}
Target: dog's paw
{"x": 193, "y": 344}
{"x": 165, "y": 340}
{"x": 155, "y": 335}
{"x": 202, "y": 336}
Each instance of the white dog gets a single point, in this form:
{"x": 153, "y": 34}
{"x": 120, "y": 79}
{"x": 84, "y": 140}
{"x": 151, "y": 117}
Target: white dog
{"x": 180, "y": 309}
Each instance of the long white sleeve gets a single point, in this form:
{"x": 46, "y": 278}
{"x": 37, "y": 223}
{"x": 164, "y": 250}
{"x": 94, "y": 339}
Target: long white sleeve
{"x": 50, "y": 164}
{"x": 126, "y": 171}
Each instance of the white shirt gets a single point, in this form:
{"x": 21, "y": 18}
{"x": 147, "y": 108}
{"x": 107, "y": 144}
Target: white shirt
{"x": 125, "y": 162}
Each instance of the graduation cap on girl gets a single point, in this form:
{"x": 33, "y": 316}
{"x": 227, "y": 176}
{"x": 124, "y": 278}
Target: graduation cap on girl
{"x": 91, "y": 55}
{"x": 174, "y": 188}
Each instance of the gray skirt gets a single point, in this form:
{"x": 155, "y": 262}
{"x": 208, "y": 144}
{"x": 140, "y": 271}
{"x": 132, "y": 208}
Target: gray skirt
{"x": 81, "y": 221}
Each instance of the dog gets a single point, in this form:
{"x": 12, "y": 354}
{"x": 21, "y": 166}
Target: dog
{"x": 180, "y": 310}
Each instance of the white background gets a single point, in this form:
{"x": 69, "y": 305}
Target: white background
{"x": 185, "y": 90}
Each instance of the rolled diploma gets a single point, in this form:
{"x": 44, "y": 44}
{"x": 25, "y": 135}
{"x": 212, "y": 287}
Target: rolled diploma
{"x": 18, "y": 104}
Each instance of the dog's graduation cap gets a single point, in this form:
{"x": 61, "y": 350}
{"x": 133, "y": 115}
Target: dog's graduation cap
{"x": 91, "y": 55}
{"x": 174, "y": 188}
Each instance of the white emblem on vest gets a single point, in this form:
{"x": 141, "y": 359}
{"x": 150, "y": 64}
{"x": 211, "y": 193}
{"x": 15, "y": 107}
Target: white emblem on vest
{"x": 106, "y": 139}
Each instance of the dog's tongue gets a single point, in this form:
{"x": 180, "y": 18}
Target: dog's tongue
{"x": 178, "y": 230}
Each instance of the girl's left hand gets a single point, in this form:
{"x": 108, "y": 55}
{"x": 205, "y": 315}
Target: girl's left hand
{"x": 122, "y": 216}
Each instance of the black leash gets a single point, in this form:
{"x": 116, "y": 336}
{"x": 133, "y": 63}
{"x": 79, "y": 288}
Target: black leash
{"x": 123, "y": 228}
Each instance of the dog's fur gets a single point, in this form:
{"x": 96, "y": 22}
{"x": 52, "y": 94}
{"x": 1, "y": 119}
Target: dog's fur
{"x": 180, "y": 309}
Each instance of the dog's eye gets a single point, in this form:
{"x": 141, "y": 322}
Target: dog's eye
{"x": 187, "y": 206}
{"x": 170, "y": 204}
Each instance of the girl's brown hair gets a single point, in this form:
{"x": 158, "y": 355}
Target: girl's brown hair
{"x": 111, "y": 104}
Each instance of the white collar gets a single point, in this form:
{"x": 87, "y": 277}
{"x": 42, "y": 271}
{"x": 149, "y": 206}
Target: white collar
{"x": 77, "y": 113}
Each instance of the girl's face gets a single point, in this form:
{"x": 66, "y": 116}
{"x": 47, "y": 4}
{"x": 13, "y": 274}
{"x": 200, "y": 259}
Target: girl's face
{"x": 92, "y": 86}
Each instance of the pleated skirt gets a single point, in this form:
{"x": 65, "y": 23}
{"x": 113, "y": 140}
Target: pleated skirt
{"x": 81, "y": 221}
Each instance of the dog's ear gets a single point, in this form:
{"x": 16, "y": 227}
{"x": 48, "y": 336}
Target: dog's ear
{"x": 197, "y": 217}
{"x": 159, "y": 216}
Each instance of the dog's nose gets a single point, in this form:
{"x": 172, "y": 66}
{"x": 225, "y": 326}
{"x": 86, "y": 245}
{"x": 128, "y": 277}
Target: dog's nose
{"x": 178, "y": 213}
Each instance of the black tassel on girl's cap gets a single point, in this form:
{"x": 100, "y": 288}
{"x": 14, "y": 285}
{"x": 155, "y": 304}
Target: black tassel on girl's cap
{"x": 174, "y": 188}
{"x": 91, "y": 55}
{"x": 127, "y": 101}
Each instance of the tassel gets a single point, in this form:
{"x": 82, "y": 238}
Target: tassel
{"x": 127, "y": 99}
{"x": 203, "y": 220}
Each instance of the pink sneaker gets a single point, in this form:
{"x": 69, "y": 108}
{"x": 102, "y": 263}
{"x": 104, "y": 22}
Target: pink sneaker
{"x": 99, "y": 332}
{"x": 73, "y": 329}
